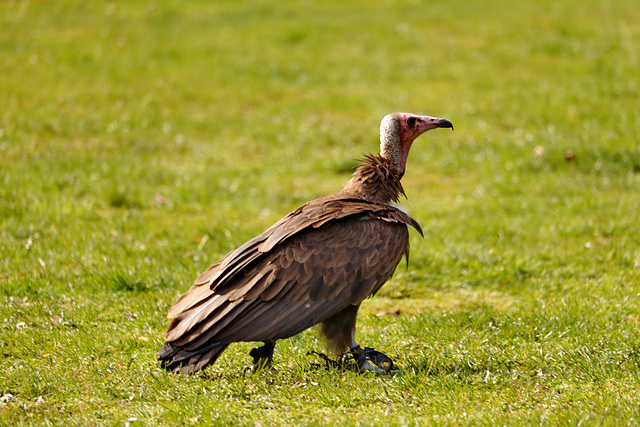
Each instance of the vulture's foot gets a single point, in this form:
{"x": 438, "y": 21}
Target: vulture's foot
{"x": 262, "y": 356}
{"x": 330, "y": 363}
{"x": 372, "y": 360}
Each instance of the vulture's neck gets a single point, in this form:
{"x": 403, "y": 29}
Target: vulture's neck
{"x": 374, "y": 181}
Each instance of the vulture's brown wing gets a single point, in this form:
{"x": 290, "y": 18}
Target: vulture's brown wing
{"x": 312, "y": 215}
{"x": 312, "y": 264}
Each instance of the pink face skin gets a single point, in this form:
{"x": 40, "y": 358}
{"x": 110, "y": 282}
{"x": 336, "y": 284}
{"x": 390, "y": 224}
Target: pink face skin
{"x": 412, "y": 126}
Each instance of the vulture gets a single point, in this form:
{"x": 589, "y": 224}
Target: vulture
{"x": 314, "y": 266}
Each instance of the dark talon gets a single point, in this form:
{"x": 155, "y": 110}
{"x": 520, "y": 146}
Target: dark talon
{"x": 372, "y": 360}
{"x": 330, "y": 363}
{"x": 262, "y": 356}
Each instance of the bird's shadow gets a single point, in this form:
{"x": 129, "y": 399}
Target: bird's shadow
{"x": 463, "y": 368}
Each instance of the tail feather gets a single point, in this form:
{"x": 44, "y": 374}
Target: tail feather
{"x": 179, "y": 360}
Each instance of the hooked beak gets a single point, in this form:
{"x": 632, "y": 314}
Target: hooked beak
{"x": 436, "y": 122}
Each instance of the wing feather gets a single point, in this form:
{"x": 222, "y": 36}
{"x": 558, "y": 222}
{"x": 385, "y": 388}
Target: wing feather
{"x": 212, "y": 325}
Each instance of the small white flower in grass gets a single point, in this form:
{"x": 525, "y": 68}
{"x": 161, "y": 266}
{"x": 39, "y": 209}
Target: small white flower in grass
{"x": 538, "y": 151}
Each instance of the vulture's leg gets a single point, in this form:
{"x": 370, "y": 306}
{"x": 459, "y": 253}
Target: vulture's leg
{"x": 262, "y": 356}
{"x": 340, "y": 332}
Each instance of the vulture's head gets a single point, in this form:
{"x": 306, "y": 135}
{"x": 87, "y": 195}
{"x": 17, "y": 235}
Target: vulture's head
{"x": 399, "y": 130}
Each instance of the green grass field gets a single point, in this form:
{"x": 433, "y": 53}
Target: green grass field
{"x": 142, "y": 140}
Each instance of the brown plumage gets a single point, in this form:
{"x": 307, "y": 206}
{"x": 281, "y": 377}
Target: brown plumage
{"x": 316, "y": 265}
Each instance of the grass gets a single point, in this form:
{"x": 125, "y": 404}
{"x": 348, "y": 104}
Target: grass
{"x": 140, "y": 141}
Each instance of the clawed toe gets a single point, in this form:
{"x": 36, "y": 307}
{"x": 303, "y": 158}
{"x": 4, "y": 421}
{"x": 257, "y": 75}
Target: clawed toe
{"x": 330, "y": 363}
{"x": 372, "y": 360}
{"x": 262, "y": 357}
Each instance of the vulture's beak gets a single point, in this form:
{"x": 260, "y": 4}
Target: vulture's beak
{"x": 442, "y": 123}
{"x": 426, "y": 123}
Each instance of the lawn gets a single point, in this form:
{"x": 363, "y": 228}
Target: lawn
{"x": 140, "y": 141}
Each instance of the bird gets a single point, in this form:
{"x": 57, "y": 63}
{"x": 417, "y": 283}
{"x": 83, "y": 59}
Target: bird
{"x": 314, "y": 266}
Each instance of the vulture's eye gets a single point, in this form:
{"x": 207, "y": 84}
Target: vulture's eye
{"x": 411, "y": 121}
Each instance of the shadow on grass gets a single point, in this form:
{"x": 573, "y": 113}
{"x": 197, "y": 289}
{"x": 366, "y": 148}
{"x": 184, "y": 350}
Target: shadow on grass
{"x": 470, "y": 369}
